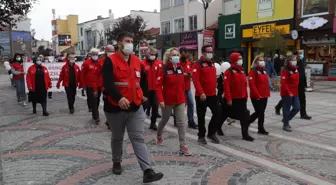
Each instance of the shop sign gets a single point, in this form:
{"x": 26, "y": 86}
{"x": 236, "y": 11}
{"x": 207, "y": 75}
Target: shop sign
{"x": 313, "y": 23}
{"x": 263, "y": 31}
{"x": 189, "y": 38}
{"x": 294, "y": 34}
{"x": 208, "y": 38}
{"x": 230, "y": 31}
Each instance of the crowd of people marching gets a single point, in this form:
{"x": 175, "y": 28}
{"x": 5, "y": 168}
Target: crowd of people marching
{"x": 132, "y": 88}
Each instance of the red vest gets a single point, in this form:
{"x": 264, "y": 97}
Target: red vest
{"x": 127, "y": 78}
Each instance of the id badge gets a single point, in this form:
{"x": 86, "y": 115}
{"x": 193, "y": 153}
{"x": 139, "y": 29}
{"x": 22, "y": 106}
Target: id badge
{"x": 137, "y": 73}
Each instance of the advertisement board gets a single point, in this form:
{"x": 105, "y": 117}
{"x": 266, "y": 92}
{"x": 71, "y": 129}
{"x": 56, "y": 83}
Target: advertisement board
{"x": 5, "y": 48}
{"x": 54, "y": 70}
{"x": 21, "y": 43}
{"x": 64, "y": 40}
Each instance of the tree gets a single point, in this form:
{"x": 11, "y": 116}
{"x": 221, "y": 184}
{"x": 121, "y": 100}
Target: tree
{"x": 41, "y": 50}
{"x": 12, "y": 10}
{"x": 135, "y": 25}
{"x": 274, "y": 44}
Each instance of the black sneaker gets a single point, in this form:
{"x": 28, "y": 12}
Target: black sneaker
{"x": 202, "y": 140}
{"x": 175, "y": 125}
{"x": 159, "y": 116}
{"x": 153, "y": 126}
{"x": 72, "y": 111}
{"x": 220, "y": 132}
{"x": 306, "y": 117}
{"x": 248, "y": 138}
{"x": 214, "y": 139}
{"x": 34, "y": 112}
{"x": 46, "y": 113}
{"x": 97, "y": 121}
{"x": 151, "y": 176}
{"x": 108, "y": 126}
{"x": 116, "y": 169}
{"x": 192, "y": 124}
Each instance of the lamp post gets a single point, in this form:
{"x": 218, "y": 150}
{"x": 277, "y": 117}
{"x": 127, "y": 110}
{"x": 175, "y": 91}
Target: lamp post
{"x": 205, "y": 6}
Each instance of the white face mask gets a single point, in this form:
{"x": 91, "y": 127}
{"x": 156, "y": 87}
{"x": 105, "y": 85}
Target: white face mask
{"x": 209, "y": 56}
{"x": 262, "y": 63}
{"x": 293, "y": 63}
{"x": 94, "y": 58}
{"x": 175, "y": 59}
{"x": 240, "y": 62}
{"x": 152, "y": 57}
{"x": 39, "y": 62}
{"x": 18, "y": 58}
{"x": 128, "y": 48}
{"x": 110, "y": 53}
{"x": 72, "y": 61}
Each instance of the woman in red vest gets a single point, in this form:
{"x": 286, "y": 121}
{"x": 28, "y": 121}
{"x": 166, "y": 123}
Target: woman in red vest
{"x": 38, "y": 82}
{"x": 18, "y": 77}
{"x": 235, "y": 93}
{"x": 289, "y": 91}
{"x": 259, "y": 92}
{"x": 171, "y": 96}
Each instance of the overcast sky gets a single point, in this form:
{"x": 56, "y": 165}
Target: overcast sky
{"x": 86, "y": 10}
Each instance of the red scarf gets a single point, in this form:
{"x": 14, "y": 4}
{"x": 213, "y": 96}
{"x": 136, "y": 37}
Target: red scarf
{"x": 259, "y": 68}
{"x": 237, "y": 67}
{"x": 292, "y": 68}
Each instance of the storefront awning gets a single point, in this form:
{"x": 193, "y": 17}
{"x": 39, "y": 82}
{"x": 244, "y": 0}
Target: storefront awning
{"x": 189, "y": 47}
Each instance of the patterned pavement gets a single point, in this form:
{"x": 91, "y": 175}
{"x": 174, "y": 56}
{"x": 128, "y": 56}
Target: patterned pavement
{"x": 68, "y": 149}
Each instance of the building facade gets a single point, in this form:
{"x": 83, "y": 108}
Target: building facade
{"x": 314, "y": 23}
{"x": 64, "y": 34}
{"x": 260, "y": 20}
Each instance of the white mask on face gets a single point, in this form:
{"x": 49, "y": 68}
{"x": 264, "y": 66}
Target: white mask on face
{"x": 175, "y": 59}
{"x": 110, "y": 53}
{"x": 240, "y": 62}
{"x": 72, "y": 61}
{"x": 18, "y": 58}
{"x": 262, "y": 63}
{"x": 94, "y": 58}
{"x": 128, "y": 48}
{"x": 209, "y": 56}
{"x": 152, "y": 57}
{"x": 293, "y": 62}
{"x": 39, "y": 62}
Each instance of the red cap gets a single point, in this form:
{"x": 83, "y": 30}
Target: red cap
{"x": 234, "y": 57}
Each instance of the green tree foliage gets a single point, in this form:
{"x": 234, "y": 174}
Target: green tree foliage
{"x": 276, "y": 43}
{"x": 12, "y": 10}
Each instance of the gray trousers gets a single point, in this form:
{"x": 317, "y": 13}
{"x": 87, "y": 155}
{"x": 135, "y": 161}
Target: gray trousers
{"x": 180, "y": 120}
{"x": 20, "y": 89}
{"x": 134, "y": 123}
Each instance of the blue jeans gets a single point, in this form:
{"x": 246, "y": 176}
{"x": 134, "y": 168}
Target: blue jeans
{"x": 190, "y": 104}
{"x": 20, "y": 89}
{"x": 288, "y": 113}
{"x": 270, "y": 84}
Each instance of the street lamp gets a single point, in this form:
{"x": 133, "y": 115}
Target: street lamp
{"x": 205, "y": 6}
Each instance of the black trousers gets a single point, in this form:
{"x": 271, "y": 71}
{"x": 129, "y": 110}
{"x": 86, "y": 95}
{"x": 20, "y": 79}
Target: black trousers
{"x": 49, "y": 94}
{"x": 71, "y": 92}
{"x": 93, "y": 102}
{"x": 302, "y": 98}
{"x": 201, "y": 107}
{"x": 237, "y": 111}
{"x": 43, "y": 105}
{"x": 152, "y": 103}
{"x": 259, "y": 108}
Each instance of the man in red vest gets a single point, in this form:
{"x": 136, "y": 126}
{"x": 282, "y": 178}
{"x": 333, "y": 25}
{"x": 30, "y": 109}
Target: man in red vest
{"x": 122, "y": 105}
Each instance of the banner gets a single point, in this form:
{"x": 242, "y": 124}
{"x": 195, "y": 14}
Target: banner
{"x": 208, "y": 38}
{"x": 54, "y": 70}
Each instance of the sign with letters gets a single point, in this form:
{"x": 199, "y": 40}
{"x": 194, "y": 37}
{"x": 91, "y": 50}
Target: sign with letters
{"x": 230, "y": 31}
{"x": 54, "y": 70}
{"x": 263, "y": 31}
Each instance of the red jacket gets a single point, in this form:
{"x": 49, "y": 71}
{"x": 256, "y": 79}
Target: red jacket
{"x": 289, "y": 82}
{"x": 30, "y": 78}
{"x": 64, "y": 75}
{"x": 19, "y": 68}
{"x": 90, "y": 74}
{"x": 101, "y": 64}
{"x": 127, "y": 78}
{"x": 258, "y": 83}
{"x": 171, "y": 85}
{"x": 187, "y": 68}
{"x": 235, "y": 85}
{"x": 204, "y": 77}
{"x": 151, "y": 70}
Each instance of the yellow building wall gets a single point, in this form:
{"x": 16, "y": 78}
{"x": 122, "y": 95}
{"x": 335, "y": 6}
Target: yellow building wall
{"x": 282, "y": 9}
{"x": 68, "y": 27}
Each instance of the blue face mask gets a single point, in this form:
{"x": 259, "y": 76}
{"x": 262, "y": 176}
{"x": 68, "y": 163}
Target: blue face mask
{"x": 175, "y": 59}
{"x": 301, "y": 56}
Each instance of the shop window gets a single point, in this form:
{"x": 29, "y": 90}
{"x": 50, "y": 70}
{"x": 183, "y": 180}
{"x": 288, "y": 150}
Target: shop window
{"x": 165, "y": 27}
{"x": 178, "y": 2}
{"x": 314, "y": 7}
{"x": 320, "y": 54}
{"x": 193, "y": 22}
{"x": 165, "y": 4}
{"x": 179, "y": 25}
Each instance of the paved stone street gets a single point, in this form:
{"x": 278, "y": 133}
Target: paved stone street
{"x": 65, "y": 149}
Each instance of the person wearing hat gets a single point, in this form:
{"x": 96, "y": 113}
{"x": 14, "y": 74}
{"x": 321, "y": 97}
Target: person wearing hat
{"x": 235, "y": 91}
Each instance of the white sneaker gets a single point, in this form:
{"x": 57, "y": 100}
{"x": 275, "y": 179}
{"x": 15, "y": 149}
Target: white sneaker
{"x": 24, "y": 103}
